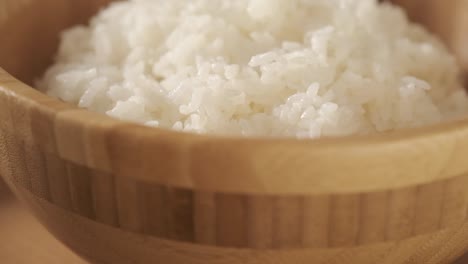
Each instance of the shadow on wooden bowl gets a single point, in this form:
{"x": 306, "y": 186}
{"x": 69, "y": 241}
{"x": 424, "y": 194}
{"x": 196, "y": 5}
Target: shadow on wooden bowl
{"x": 116, "y": 192}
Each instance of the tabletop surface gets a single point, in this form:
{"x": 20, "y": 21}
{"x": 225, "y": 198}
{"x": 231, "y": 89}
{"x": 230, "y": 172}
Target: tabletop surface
{"x": 24, "y": 241}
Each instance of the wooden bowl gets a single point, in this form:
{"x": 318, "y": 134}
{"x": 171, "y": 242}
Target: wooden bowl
{"x": 116, "y": 192}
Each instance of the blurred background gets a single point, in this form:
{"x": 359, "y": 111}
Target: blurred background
{"x": 23, "y": 240}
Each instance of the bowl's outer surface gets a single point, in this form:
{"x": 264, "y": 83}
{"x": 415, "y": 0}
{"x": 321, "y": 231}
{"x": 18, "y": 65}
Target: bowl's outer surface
{"x": 121, "y": 193}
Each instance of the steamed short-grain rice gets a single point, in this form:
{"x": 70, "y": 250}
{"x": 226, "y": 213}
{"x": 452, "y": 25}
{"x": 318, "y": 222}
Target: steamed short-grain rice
{"x": 301, "y": 68}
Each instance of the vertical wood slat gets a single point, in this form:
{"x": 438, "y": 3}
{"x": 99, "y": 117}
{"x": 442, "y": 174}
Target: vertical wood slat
{"x": 231, "y": 215}
{"x": 18, "y": 123}
{"x": 6, "y": 136}
{"x": 204, "y": 218}
{"x": 455, "y": 202}
{"x": 69, "y": 139}
{"x": 344, "y": 220}
{"x": 428, "y": 208}
{"x": 180, "y": 210}
{"x": 260, "y": 213}
{"x": 95, "y": 136}
{"x": 12, "y": 161}
{"x": 36, "y": 167}
{"x": 103, "y": 188}
{"x": 5, "y": 158}
{"x": 79, "y": 178}
{"x": 373, "y": 217}
{"x": 21, "y": 119}
{"x": 153, "y": 210}
{"x": 42, "y": 125}
{"x": 127, "y": 204}
{"x": 287, "y": 222}
{"x": 29, "y": 169}
{"x": 59, "y": 187}
{"x": 316, "y": 221}
{"x": 19, "y": 170}
{"x": 16, "y": 127}
{"x": 401, "y": 213}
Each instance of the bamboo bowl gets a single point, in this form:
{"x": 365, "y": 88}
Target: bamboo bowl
{"x": 115, "y": 192}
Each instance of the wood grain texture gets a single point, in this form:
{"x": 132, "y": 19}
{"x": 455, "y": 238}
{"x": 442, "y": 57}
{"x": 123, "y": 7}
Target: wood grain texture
{"x": 252, "y": 220}
{"x": 121, "y": 193}
{"x": 101, "y": 243}
{"x": 22, "y": 233}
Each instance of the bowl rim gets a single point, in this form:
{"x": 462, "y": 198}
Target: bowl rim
{"x": 406, "y": 157}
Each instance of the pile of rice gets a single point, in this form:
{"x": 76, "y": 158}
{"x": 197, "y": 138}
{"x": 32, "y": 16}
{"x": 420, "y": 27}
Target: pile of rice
{"x": 300, "y": 68}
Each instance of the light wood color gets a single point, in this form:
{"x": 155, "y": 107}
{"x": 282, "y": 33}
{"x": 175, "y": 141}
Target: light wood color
{"x": 21, "y": 233}
{"x": 116, "y": 192}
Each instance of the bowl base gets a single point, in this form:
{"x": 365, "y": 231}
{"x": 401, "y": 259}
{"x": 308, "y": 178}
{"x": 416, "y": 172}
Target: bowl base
{"x": 102, "y": 244}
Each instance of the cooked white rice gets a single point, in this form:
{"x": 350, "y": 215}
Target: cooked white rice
{"x": 304, "y": 68}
